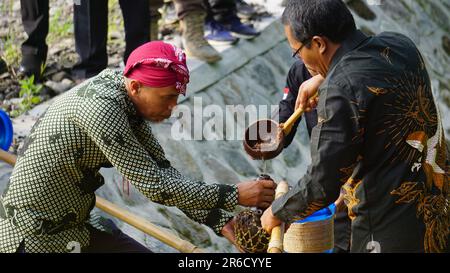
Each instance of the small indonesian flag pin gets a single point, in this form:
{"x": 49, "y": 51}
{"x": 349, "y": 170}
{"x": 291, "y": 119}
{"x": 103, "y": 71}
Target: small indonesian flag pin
{"x": 286, "y": 92}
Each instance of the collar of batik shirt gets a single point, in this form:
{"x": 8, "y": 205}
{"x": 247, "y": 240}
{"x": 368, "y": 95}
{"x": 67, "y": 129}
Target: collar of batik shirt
{"x": 356, "y": 38}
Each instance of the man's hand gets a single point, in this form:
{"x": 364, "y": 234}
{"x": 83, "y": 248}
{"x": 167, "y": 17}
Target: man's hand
{"x": 228, "y": 232}
{"x": 269, "y": 221}
{"x": 339, "y": 203}
{"x": 259, "y": 193}
{"x": 307, "y": 90}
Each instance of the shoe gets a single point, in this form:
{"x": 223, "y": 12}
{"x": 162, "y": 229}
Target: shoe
{"x": 216, "y": 34}
{"x": 238, "y": 29}
{"x": 168, "y": 23}
{"x": 31, "y": 66}
{"x": 3, "y": 66}
{"x": 168, "y": 13}
{"x": 244, "y": 10}
{"x": 194, "y": 43}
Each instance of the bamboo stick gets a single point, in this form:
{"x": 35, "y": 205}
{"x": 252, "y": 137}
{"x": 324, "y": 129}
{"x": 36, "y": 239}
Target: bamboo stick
{"x": 146, "y": 226}
{"x": 287, "y": 126}
{"x": 7, "y": 157}
{"x": 276, "y": 238}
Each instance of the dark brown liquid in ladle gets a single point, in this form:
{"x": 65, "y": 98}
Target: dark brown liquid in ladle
{"x": 264, "y": 139}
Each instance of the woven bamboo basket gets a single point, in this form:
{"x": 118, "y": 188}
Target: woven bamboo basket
{"x": 315, "y": 236}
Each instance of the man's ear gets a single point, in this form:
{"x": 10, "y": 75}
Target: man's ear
{"x": 322, "y": 44}
{"x": 134, "y": 86}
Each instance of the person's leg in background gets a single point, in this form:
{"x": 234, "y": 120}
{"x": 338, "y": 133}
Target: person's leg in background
{"x": 35, "y": 19}
{"x": 137, "y": 24}
{"x": 244, "y": 10}
{"x": 223, "y": 13}
{"x": 220, "y": 10}
{"x": 91, "y": 31}
{"x": 216, "y": 34}
{"x": 155, "y": 16}
{"x": 192, "y": 14}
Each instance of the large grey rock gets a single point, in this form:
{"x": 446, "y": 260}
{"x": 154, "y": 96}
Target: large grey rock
{"x": 239, "y": 163}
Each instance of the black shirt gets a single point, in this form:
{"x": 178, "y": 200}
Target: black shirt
{"x": 378, "y": 124}
{"x": 296, "y": 76}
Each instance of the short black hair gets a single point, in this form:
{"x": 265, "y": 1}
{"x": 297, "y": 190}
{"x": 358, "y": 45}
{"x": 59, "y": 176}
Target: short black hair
{"x": 308, "y": 18}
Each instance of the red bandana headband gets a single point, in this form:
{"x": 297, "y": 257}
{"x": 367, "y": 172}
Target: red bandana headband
{"x": 158, "y": 64}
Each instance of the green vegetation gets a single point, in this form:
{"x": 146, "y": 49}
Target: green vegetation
{"x": 6, "y": 6}
{"x": 29, "y": 92}
{"x": 11, "y": 51}
{"x": 60, "y": 26}
{"x": 114, "y": 16}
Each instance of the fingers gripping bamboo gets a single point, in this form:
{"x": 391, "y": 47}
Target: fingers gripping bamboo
{"x": 276, "y": 238}
{"x": 129, "y": 218}
{"x": 287, "y": 126}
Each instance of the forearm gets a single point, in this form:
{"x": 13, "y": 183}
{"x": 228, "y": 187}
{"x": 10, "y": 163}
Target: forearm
{"x": 178, "y": 190}
{"x": 301, "y": 201}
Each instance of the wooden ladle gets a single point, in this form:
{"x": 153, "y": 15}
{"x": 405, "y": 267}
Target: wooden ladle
{"x": 264, "y": 139}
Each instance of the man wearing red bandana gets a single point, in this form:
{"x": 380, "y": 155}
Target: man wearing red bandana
{"x": 102, "y": 123}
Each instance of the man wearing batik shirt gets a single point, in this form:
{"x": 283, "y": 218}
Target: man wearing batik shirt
{"x": 101, "y": 123}
{"x": 378, "y": 125}
{"x": 299, "y": 78}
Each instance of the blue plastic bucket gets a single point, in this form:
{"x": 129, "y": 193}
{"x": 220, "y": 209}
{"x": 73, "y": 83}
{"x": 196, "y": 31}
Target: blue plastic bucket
{"x": 320, "y": 215}
{"x": 6, "y": 131}
{"x": 322, "y": 222}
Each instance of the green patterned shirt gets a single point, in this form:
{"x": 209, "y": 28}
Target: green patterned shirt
{"x": 94, "y": 125}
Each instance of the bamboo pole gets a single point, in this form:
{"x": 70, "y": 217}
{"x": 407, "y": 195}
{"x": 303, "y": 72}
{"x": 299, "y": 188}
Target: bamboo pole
{"x": 7, "y": 157}
{"x": 129, "y": 218}
{"x": 146, "y": 226}
{"x": 276, "y": 238}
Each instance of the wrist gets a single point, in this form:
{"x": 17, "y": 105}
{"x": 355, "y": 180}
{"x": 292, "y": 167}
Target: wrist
{"x": 227, "y": 228}
{"x": 228, "y": 197}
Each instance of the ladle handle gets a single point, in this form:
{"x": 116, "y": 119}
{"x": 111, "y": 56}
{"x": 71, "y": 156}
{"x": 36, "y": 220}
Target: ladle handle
{"x": 287, "y": 126}
{"x": 276, "y": 238}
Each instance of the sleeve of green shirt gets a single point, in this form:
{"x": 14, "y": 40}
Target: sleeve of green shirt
{"x": 106, "y": 123}
{"x": 227, "y": 193}
{"x": 335, "y": 144}
{"x": 214, "y": 218}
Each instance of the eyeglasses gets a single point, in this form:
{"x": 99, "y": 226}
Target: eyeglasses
{"x": 299, "y": 49}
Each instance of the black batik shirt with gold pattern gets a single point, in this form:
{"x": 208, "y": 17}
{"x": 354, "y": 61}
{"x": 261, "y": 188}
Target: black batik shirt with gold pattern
{"x": 379, "y": 135}
{"x": 94, "y": 125}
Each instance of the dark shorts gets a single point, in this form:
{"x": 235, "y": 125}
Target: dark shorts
{"x": 111, "y": 241}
